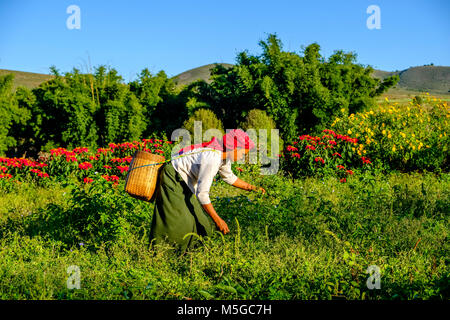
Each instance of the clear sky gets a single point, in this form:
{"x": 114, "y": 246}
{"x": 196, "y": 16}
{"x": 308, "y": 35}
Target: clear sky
{"x": 178, "y": 35}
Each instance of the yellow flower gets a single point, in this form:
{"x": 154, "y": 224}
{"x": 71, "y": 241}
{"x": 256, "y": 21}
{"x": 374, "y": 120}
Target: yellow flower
{"x": 383, "y": 132}
{"x": 413, "y": 134}
{"x": 342, "y": 110}
{"x": 389, "y": 136}
{"x": 349, "y": 131}
{"x": 382, "y": 124}
{"x": 353, "y": 149}
{"x": 393, "y": 148}
{"x": 364, "y": 151}
{"x": 402, "y": 134}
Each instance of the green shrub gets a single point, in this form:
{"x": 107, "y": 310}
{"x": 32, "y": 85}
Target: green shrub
{"x": 258, "y": 119}
{"x": 208, "y": 121}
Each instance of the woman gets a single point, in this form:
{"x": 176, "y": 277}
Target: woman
{"x": 182, "y": 195}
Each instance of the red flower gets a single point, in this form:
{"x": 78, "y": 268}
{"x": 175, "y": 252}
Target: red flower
{"x": 340, "y": 167}
{"x": 85, "y": 165}
{"x": 291, "y": 148}
{"x": 6, "y": 175}
{"x": 310, "y": 147}
{"x": 122, "y": 168}
{"x": 43, "y": 175}
{"x": 107, "y": 167}
{"x": 296, "y": 155}
{"x": 88, "y": 180}
{"x": 319, "y": 159}
{"x": 337, "y": 154}
{"x": 365, "y": 160}
{"x": 343, "y": 180}
{"x": 104, "y": 151}
{"x": 81, "y": 150}
{"x": 112, "y": 178}
{"x": 350, "y": 172}
{"x": 239, "y": 169}
{"x": 330, "y": 132}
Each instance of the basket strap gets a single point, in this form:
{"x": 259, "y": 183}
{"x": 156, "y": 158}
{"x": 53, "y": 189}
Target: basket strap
{"x": 183, "y": 155}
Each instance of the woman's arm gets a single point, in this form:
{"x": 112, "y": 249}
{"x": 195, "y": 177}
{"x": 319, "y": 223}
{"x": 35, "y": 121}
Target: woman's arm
{"x": 246, "y": 186}
{"x": 222, "y": 225}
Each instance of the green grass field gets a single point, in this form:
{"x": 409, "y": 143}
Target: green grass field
{"x": 310, "y": 239}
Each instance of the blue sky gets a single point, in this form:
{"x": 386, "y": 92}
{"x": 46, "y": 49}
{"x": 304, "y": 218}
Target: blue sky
{"x": 175, "y": 36}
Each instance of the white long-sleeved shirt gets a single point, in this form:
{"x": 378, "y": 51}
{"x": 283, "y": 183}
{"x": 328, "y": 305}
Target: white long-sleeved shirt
{"x": 199, "y": 168}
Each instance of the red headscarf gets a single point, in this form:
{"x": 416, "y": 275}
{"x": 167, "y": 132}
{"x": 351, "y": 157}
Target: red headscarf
{"x": 233, "y": 139}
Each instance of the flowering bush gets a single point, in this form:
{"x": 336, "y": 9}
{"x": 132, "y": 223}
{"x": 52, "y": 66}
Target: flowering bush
{"x": 403, "y": 137}
{"x": 330, "y": 153}
{"x": 83, "y": 164}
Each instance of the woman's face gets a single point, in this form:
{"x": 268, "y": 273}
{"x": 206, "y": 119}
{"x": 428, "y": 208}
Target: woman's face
{"x": 236, "y": 154}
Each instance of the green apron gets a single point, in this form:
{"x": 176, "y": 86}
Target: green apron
{"x": 177, "y": 212}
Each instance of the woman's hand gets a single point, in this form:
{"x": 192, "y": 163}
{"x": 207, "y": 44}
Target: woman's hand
{"x": 261, "y": 189}
{"x": 247, "y": 186}
{"x": 222, "y": 225}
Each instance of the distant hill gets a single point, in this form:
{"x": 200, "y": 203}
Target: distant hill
{"x": 27, "y": 79}
{"x": 433, "y": 79}
{"x": 202, "y": 73}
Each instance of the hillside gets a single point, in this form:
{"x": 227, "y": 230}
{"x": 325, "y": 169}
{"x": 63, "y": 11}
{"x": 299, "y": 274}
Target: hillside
{"x": 434, "y": 79}
{"x": 202, "y": 72}
{"x": 413, "y": 81}
{"x": 27, "y": 79}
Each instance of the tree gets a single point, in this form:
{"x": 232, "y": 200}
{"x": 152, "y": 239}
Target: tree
{"x": 10, "y": 113}
{"x": 301, "y": 92}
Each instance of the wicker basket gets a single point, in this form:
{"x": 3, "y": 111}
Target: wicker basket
{"x": 141, "y": 182}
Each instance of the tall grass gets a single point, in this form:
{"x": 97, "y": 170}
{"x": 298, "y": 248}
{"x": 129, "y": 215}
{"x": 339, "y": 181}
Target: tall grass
{"x": 308, "y": 239}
